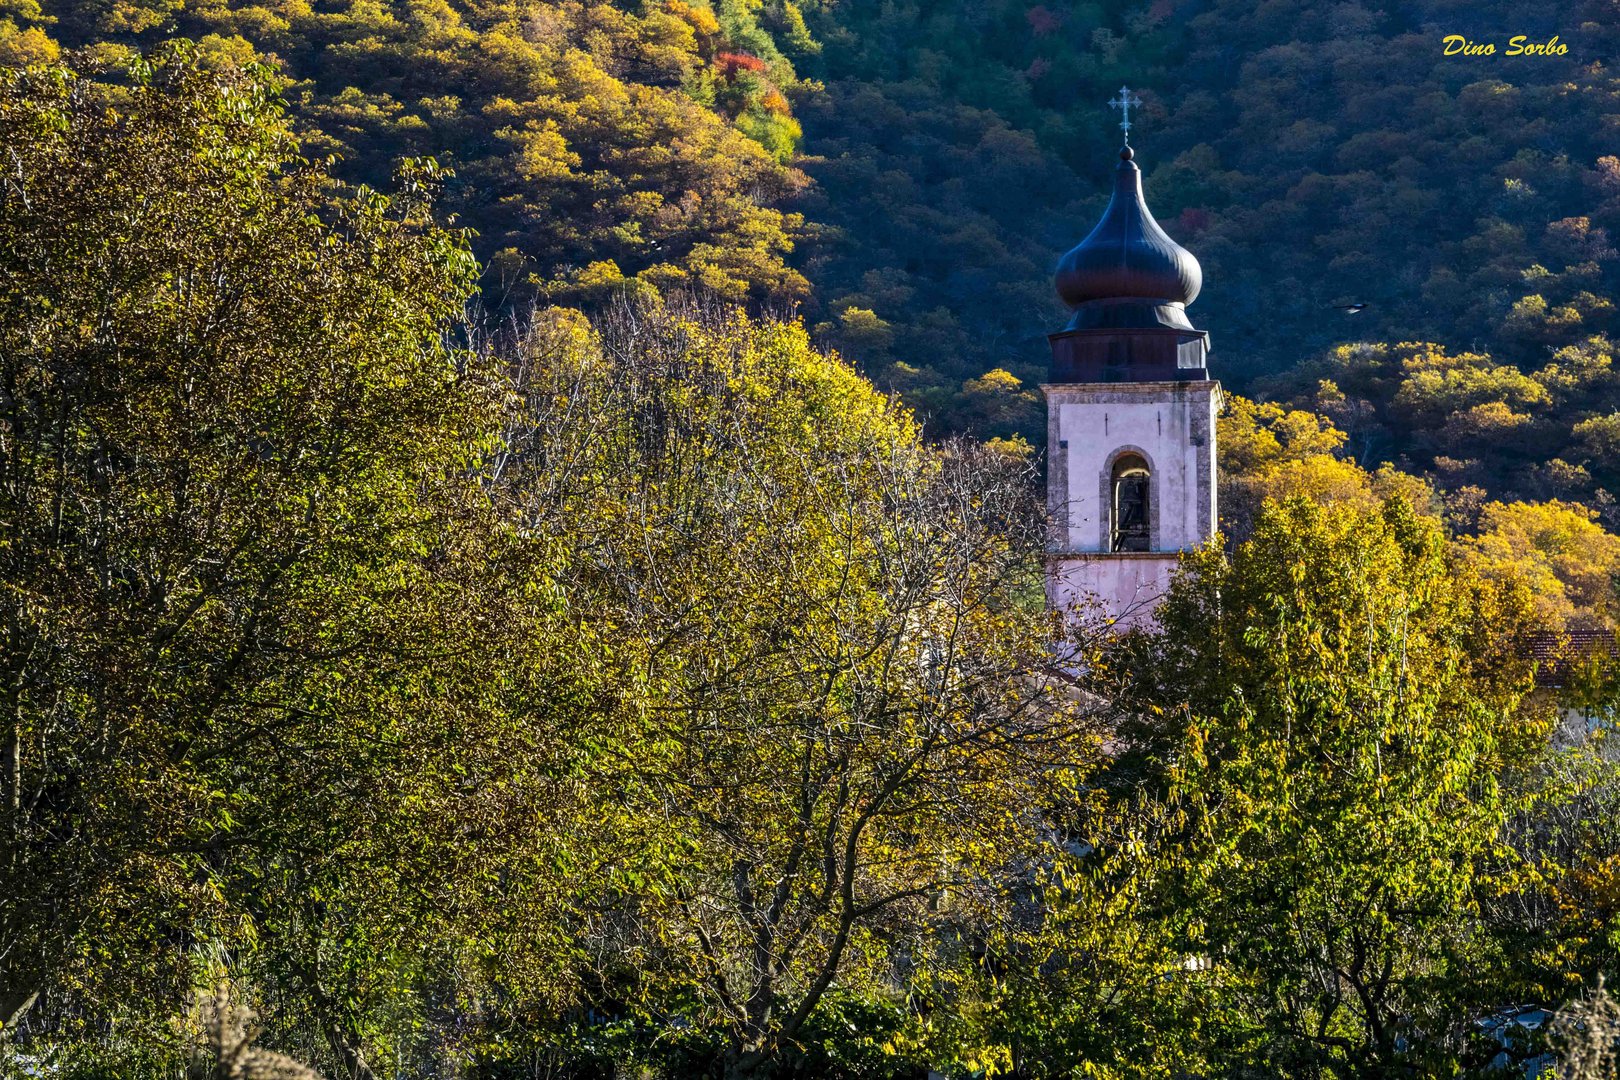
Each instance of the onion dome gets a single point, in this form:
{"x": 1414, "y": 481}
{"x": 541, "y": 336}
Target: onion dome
{"x": 1128, "y": 272}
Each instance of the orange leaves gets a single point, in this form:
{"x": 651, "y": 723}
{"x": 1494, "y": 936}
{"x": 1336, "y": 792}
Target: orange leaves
{"x": 774, "y": 102}
{"x": 730, "y": 64}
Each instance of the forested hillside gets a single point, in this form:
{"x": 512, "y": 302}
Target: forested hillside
{"x": 588, "y": 143}
{"x": 907, "y": 173}
{"x": 1308, "y": 154}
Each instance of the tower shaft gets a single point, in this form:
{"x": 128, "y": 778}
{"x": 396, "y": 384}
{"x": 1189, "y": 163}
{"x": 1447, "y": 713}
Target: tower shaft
{"x": 1130, "y": 416}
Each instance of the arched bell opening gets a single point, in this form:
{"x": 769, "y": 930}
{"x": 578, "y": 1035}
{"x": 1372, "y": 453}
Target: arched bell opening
{"x": 1131, "y": 485}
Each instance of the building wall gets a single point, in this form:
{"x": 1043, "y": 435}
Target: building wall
{"x": 1123, "y": 588}
{"x": 1089, "y": 426}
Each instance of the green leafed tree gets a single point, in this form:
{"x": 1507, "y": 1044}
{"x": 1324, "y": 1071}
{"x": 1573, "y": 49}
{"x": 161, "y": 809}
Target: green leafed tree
{"x": 836, "y": 730}
{"x": 1347, "y": 736}
{"x": 244, "y": 559}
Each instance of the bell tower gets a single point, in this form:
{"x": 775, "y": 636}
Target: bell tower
{"x": 1130, "y": 412}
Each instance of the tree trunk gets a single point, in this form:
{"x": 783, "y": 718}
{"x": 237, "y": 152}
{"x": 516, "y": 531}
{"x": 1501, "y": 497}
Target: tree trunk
{"x": 744, "y": 1064}
{"x": 14, "y": 1004}
{"x": 348, "y": 1052}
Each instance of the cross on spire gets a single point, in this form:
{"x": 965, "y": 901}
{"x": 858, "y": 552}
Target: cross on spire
{"x": 1123, "y": 103}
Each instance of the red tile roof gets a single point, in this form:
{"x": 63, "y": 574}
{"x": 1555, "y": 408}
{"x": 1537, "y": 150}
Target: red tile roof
{"x": 1555, "y": 653}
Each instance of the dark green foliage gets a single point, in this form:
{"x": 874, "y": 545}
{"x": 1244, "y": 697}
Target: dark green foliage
{"x": 1308, "y": 155}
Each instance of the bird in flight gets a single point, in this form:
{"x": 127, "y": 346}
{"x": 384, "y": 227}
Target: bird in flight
{"x": 1351, "y": 309}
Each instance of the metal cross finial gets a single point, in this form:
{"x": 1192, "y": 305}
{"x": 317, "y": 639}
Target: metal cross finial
{"x": 1123, "y": 103}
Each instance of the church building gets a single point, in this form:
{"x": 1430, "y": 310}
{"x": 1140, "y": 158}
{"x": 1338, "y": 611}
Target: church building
{"x": 1130, "y": 412}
